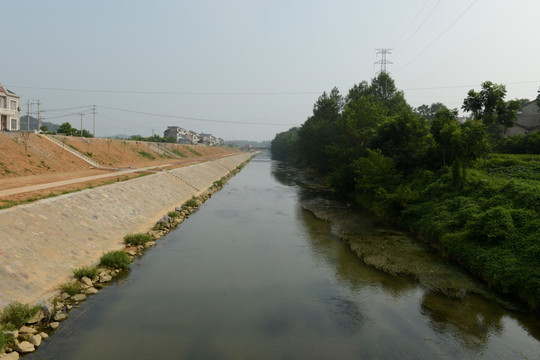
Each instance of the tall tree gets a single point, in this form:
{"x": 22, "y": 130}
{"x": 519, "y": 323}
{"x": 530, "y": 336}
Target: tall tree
{"x": 489, "y": 106}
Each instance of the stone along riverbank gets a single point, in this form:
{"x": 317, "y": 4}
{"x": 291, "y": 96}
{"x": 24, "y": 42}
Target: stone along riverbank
{"x": 44, "y": 241}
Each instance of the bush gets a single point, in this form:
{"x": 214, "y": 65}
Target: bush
{"x": 5, "y": 340}
{"x": 137, "y": 239}
{"x": 494, "y": 225}
{"x": 191, "y": 202}
{"x": 17, "y": 314}
{"x": 88, "y": 271}
{"x": 115, "y": 259}
{"x": 72, "y": 288}
{"x": 173, "y": 214}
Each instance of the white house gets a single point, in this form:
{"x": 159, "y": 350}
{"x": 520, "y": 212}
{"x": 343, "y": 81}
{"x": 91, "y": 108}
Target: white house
{"x": 10, "y": 118}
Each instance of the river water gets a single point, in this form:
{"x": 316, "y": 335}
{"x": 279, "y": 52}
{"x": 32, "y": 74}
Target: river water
{"x": 252, "y": 275}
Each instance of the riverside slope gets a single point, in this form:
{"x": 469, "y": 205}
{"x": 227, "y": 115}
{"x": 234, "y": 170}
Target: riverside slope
{"x": 41, "y": 243}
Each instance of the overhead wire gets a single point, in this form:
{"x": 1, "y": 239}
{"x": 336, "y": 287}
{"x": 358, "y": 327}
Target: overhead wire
{"x": 410, "y": 24}
{"x": 439, "y": 36}
{"x": 419, "y": 27}
{"x": 209, "y": 93}
{"x": 197, "y": 118}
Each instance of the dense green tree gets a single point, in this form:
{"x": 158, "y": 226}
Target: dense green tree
{"x": 282, "y": 147}
{"x": 320, "y": 133}
{"x": 489, "y": 106}
{"x": 404, "y": 138}
{"x": 429, "y": 111}
{"x": 66, "y": 129}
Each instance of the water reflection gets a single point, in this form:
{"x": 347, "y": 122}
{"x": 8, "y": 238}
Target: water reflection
{"x": 453, "y": 303}
{"x": 470, "y": 320}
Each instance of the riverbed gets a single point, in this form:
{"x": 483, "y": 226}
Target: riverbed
{"x": 254, "y": 274}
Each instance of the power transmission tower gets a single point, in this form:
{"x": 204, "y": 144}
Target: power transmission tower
{"x": 383, "y": 61}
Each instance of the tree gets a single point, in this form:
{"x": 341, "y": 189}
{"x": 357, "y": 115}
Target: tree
{"x": 66, "y": 129}
{"x": 282, "y": 147}
{"x": 489, "y": 106}
{"x": 428, "y": 112}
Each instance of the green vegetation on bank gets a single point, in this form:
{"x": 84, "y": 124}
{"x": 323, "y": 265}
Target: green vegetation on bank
{"x": 12, "y": 317}
{"x": 137, "y": 239}
{"x": 115, "y": 259}
{"x": 85, "y": 271}
{"x": 425, "y": 170}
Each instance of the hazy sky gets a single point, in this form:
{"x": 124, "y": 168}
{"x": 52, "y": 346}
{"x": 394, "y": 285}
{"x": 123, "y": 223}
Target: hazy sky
{"x": 248, "y": 64}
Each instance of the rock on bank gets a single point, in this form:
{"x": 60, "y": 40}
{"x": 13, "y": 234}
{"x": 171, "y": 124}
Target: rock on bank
{"x": 41, "y": 243}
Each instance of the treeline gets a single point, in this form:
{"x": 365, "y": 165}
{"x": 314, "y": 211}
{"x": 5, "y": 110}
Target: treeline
{"x": 373, "y": 147}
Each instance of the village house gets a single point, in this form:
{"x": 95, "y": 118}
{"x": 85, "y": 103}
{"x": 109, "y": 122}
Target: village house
{"x": 527, "y": 120}
{"x": 180, "y": 135}
{"x": 9, "y": 110}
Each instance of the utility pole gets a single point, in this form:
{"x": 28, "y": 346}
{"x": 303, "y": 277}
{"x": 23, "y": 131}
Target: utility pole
{"x": 38, "y": 116}
{"x": 28, "y": 115}
{"x": 80, "y": 134}
{"x": 383, "y": 60}
{"x": 94, "y": 113}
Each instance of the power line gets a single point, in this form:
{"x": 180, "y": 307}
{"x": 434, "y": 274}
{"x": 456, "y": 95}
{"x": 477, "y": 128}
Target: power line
{"x": 197, "y": 119}
{"x": 410, "y": 24}
{"x": 439, "y": 36}
{"x": 209, "y": 93}
{"x": 419, "y": 27}
{"x": 465, "y": 86}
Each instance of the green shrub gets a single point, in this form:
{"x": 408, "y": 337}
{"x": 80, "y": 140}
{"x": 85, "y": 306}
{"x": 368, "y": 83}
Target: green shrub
{"x": 137, "y": 239}
{"x": 17, "y": 314}
{"x": 218, "y": 183}
{"x": 5, "y": 340}
{"x": 88, "y": 271}
{"x": 191, "y": 202}
{"x": 494, "y": 225}
{"x": 72, "y": 288}
{"x": 173, "y": 214}
{"x": 115, "y": 259}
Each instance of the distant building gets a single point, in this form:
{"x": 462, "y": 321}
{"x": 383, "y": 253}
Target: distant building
{"x": 10, "y": 118}
{"x": 527, "y": 120}
{"x": 178, "y": 133}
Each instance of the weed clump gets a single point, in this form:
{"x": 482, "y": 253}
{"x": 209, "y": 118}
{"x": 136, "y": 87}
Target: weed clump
{"x": 137, "y": 239}
{"x": 85, "y": 271}
{"x": 16, "y": 314}
{"x": 115, "y": 259}
{"x": 72, "y": 288}
{"x": 191, "y": 203}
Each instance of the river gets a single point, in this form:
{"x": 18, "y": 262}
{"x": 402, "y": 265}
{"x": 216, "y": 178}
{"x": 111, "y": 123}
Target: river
{"x": 253, "y": 275}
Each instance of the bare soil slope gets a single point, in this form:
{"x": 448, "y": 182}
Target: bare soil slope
{"x": 31, "y": 159}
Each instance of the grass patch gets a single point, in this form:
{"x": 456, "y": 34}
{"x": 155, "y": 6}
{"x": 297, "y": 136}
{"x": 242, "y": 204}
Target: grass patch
{"x": 146, "y": 155}
{"x": 5, "y": 340}
{"x": 115, "y": 259}
{"x": 72, "y": 288}
{"x": 173, "y": 214}
{"x": 218, "y": 183}
{"x": 194, "y": 152}
{"x": 137, "y": 239}
{"x": 88, "y": 271}
{"x": 191, "y": 202}
{"x": 17, "y": 314}
{"x": 179, "y": 153}
{"x": 74, "y": 148}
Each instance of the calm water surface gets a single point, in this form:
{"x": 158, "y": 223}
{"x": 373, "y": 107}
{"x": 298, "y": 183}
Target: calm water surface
{"x": 251, "y": 275}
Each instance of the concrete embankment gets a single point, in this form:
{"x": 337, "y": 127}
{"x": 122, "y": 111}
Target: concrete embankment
{"x": 41, "y": 243}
